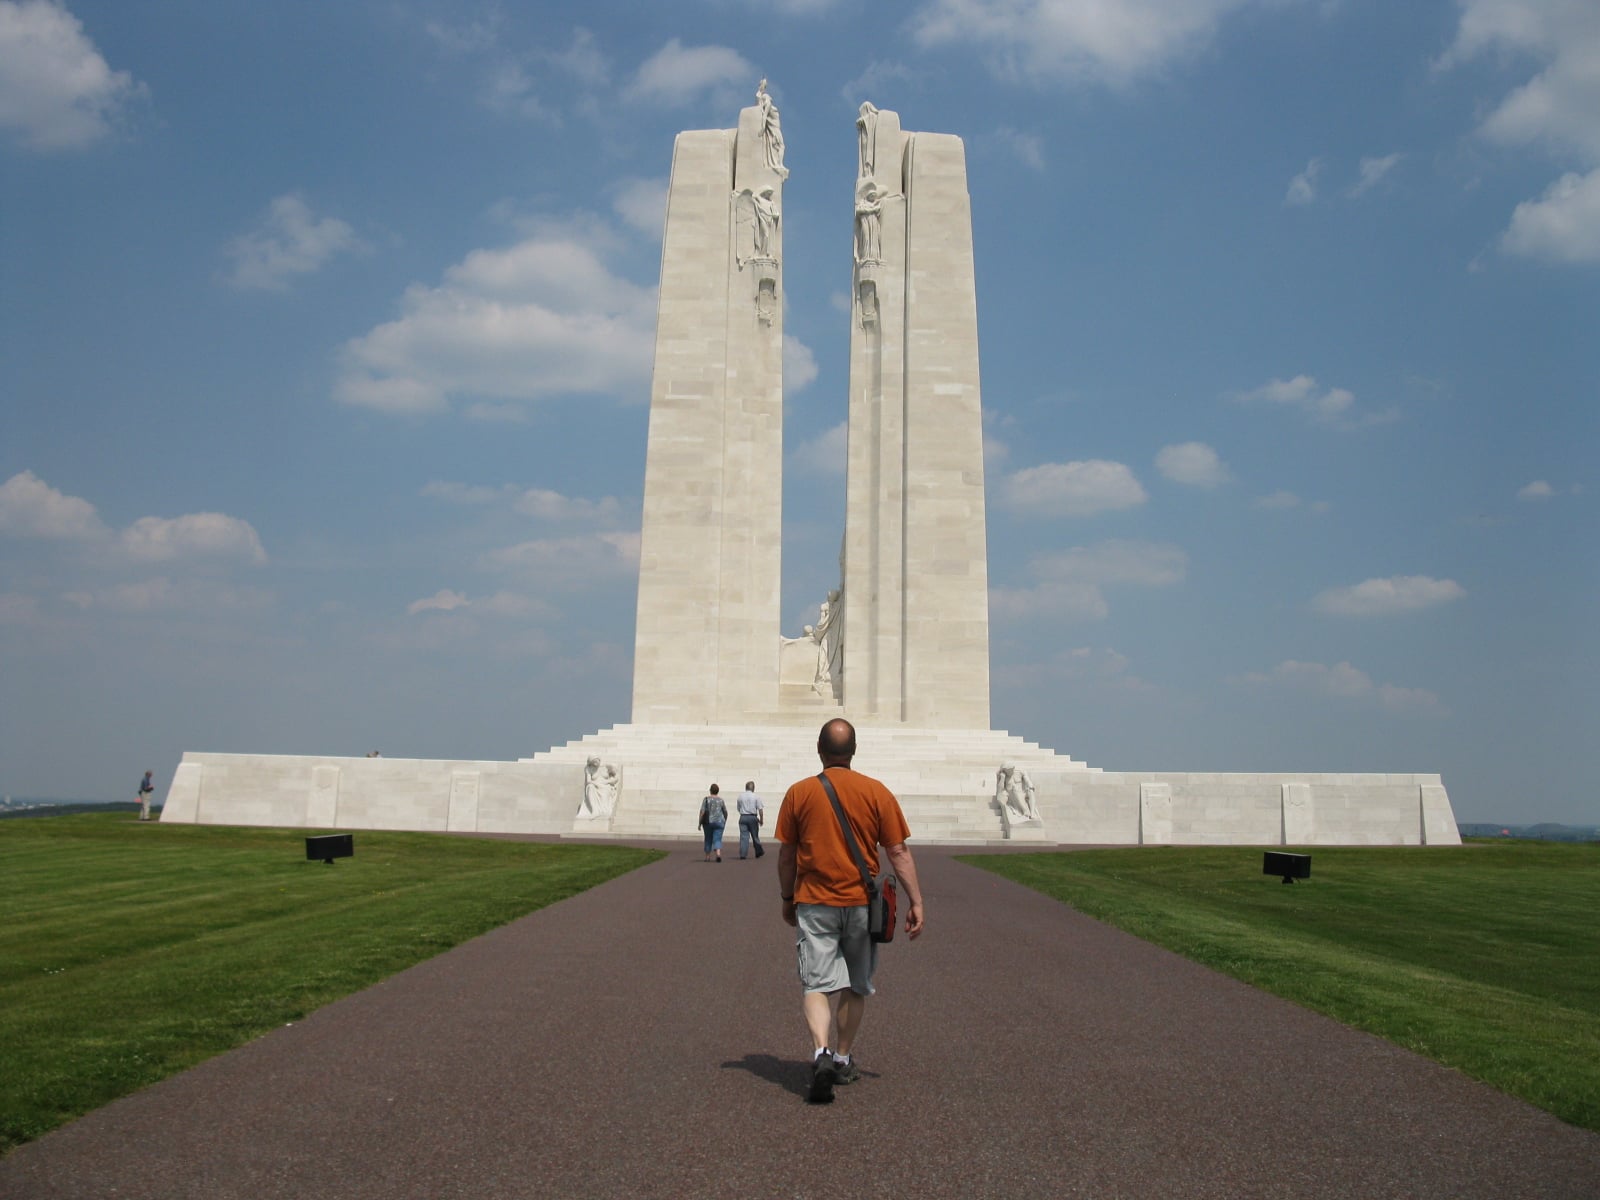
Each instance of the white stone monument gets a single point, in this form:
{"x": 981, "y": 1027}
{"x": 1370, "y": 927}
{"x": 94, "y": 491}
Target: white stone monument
{"x": 900, "y": 645}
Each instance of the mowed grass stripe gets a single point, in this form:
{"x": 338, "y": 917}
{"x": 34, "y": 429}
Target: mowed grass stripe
{"x": 132, "y": 951}
{"x": 1485, "y": 957}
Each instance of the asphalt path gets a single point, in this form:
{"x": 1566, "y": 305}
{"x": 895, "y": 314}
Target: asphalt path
{"x": 644, "y": 1039}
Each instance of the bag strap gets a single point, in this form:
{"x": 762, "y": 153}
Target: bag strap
{"x": 849, "y": 837}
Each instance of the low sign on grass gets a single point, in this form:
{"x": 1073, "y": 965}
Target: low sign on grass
{"x": 130, "y": 951}
{"x": 1483, "y": 957}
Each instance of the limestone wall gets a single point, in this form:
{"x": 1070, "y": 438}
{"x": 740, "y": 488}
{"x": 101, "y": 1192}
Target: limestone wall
{"x": 432, "y": 795}
{"x": 1223, "y": 808}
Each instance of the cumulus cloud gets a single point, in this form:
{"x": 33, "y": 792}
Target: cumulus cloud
{"x": 677, "y": 74}
{"x": 1073, "y": 489}
{"x": 1385, "y": 597}
{"x": 642, "y": 203}
{"x": 541, "y": 503}
{"x": 1303, "y": 187}
{"x": 1095, "y": 41}
{"x": 1070, "y": 585}
{"x": 1027, "y": 147}
{"x": 1373, "y": 171}
{"x": 443, "y": 600}
{"x": 207, "y": 534}
{"x": 799, "y": 364}
{"x": 825, "y": 453}
{"x": 1537, "y": 490}
{"x": 1554, "y": 109}
{"x": 56, "y": 90}
{"x": 291, "y": 241}
{"x": 877, "y": 81}
{"x": 1193, "y": 463}
{"x": 572, "y": 562}
{"x": 1334, "y": 407}
{"x": 208, "y": 597}
{"x": 1563, "y": 225}
{"x": 30, "y": 507}
{"x": 553, "y": 506}
{"x": 1345, "y": 682}
{"x": 542, "y": 318}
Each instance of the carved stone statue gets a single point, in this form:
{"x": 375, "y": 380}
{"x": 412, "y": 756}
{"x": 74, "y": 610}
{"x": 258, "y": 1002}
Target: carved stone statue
{"x": 771, "y": 131}
{"x": 1013, "y": 791}
{"x": 826, "y": 634}
{"x": 869, "y": 221}
{"x": 758, "y": 211}
{"x": 602, "y": 783}
{"x": 867, "y": 137}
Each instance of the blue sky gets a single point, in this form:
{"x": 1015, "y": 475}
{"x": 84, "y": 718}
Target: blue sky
{"x": 325, "y": 339}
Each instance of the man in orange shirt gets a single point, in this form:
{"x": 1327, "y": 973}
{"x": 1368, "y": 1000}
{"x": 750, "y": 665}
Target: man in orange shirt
{"x": 826, "y": 901}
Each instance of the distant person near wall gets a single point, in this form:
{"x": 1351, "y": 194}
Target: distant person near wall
{"x": 146, "y": 790}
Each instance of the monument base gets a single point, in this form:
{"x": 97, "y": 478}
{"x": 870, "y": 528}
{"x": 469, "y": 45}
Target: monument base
{"x": 945, "y": 780}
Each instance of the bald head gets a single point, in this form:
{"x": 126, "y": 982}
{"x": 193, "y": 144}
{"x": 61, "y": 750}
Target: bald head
{"x": 836, "y": 744}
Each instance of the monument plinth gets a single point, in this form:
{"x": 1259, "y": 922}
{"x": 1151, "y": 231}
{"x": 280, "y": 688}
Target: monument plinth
{"x": 901, "y": 641}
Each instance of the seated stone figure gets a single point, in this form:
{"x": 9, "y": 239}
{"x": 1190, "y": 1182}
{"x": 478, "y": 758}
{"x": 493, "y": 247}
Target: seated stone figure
{"x": 1013, "y": 792}
{"x": 602, "y": 781}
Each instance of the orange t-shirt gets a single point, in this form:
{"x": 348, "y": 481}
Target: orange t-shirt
{"x": 827, "y": 873}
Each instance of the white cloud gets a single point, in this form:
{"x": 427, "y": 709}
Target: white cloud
{"x": 642, "y": 203}
{"x": 1303, "y": 187}
{"x": 1028, "y": 147}
{"x": 677, "y": 74}
{"x": 825, "y": 453}
{"x": 1147, "y": 564}
{"x": 799, "y": 364}
{"x": 1278, "y": 500}
{"x": 540, "y": 503}
{"x": 1110, "y": 41}
{"x": 1563, "y": 225}
{"x": 1345, "y": 682}
{"x": 1193, "y": 463}
{"x": 56, "y": 90}
{"x": 291, "y": 241}
{"x": 1334, "y": 407}
{"x": 553, "y": 506}
{"x": 1555, "y": 109}
{"x": 1056, "y": 601}
{"x": 1074, "y": 489}
{"x": 541, "y": 318}
{"x": 205, "y": 534}
{"x": 1558, "y": 104}
{"x": 876, "y": 82}
{"x": 443, "y": 600}
{"x": 1070, "y": 584}
{"x": 1373, "y": 171}
{"x": 573, "y": 562}
{"x": 1537, "y": 490}
{"x": 206, "y": 597}
{"x": 30, "y": 507}
{"x": 1384, "y": 597}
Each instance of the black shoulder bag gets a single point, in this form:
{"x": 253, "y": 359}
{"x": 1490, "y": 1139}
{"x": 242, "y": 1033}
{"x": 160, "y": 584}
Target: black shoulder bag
{"x": 882, "y": 897}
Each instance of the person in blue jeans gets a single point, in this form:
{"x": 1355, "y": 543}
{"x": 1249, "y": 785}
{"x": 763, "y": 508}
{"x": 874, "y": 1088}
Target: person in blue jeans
{"x": 751, "y": 816}
{"x": 713, "y": 819}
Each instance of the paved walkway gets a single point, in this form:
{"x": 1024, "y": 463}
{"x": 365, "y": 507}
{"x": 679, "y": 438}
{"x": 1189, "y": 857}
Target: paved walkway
{"x": 644, "y": 1040}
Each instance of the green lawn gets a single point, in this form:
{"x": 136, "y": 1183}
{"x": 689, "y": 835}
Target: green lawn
{"x": 130, "y": 951}
{"x": 1485, "y": 957}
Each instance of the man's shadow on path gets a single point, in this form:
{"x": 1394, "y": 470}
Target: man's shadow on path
{"x": 791, "y": 1076}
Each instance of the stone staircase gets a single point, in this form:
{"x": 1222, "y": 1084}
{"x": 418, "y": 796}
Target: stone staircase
{"x": 944, "y": 778}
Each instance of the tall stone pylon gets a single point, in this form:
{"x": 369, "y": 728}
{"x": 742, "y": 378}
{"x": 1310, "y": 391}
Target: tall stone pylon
{"x": 706, "y": 646}
{"x": 916, "y": 584}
